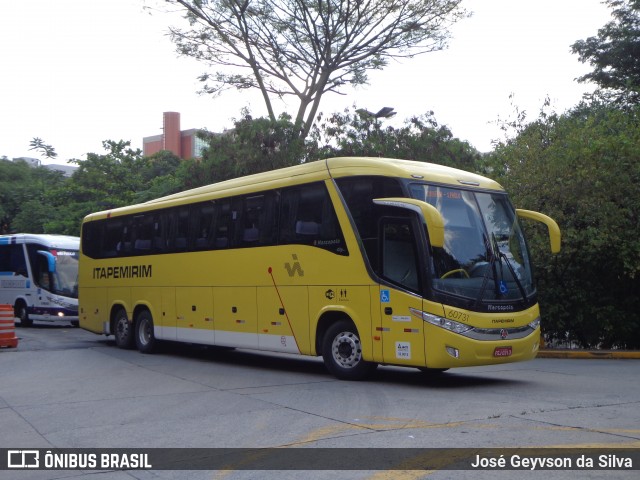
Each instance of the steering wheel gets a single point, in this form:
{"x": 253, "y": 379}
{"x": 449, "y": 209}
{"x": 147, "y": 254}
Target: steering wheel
{"x": 457, "y": 270}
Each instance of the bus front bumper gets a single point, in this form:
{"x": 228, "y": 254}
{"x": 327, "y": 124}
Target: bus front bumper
{"x": 451, "y": 350}
{"x": 55, "y": 314}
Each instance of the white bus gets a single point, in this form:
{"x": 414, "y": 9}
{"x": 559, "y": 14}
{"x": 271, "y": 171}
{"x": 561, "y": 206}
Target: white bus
{"x": 39, "y": 277}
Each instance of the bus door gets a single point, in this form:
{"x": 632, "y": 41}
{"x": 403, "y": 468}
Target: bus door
{"x": 194, "y": 315}
{"x": 401, "y": 332}
{"x": 46, "y": 267}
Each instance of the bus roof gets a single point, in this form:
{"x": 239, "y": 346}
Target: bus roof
{"x": 390, "y": 167}
{"x": 322, "y": 170}
{"x": 50, "y": 241}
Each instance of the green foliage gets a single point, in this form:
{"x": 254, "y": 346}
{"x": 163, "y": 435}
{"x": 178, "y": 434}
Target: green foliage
{"x": 34, "y": 217}
{"x": 583, "y": 169}
{"x": 121, "y": 176}
{"x": 159, "y": 176}
{"x": 421, "y": 138}
{"x": 47, "y": 150}
{"x": 26, "y": 197}
{"x": 253, "y": 146}
{"x": 258, "y": 145}
{"x": 39, "y": 200}
{"x": 614, "y": 54}
{"x": 109, "y": 180}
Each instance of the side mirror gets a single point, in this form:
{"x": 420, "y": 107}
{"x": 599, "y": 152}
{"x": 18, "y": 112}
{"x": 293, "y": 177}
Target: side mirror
{"x": 552, "y": 226}
{"x": 51, "y": 260}
{"x": 429, "y": 214}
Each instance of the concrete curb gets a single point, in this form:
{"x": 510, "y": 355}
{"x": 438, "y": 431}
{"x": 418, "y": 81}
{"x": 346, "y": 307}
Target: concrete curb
{"x": 590, "y": 354}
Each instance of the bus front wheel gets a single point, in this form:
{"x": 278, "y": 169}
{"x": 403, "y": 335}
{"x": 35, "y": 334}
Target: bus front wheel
{"x": 123, "y": 330}
{"x": 342, "y": 352}
{"x": 22, "y": 313}
{"x": 145, "y": 339}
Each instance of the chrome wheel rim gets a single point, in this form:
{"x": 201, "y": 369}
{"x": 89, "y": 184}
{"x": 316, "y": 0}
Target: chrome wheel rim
{"x": 346, "y": 349}
{"x": 122, "y": 328}
{"x": 144, "y": 332}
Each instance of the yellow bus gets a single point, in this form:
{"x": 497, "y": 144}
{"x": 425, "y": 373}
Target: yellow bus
{"x": 362, "y": 261}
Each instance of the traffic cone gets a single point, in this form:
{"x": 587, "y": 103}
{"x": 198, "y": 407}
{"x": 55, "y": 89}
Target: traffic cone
{"x": 7, "y": 327}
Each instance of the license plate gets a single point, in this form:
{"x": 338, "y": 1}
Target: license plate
{"x": 502, "y": 352}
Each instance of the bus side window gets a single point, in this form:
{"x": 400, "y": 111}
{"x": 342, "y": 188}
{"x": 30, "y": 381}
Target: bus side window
{"x": 204, "y": 215}
{"x": 178, "y": 229}
{"x": 143, "y": 232}
{"x": 258, "y": 220}
{"x": 399, "y": 260}
{"x": 224, "y": 224}
{"x": 124, "y": 246}
{"x": 112, "y": 238}
{"x": 307, "y": 217}
{"x": 92, "y": 239}
{"x": 159, "y": 232}
{"x": 12, "y": 260}
{"x": 358, "y": 193}
{"x": 5, "y": 259}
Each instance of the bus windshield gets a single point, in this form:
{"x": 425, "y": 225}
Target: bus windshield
{"x": 484, "y": 257}
{"x": 64, "y": 281}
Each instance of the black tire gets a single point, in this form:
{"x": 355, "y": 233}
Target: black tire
{"x": 145, "y": 338}
{"x": 123, "y": 330}
{"x": 23, "y": 315}
{"x": 342, "y": 352}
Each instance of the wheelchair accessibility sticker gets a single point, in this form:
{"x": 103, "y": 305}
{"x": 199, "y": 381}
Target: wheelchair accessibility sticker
{"x": 385, "y": 296}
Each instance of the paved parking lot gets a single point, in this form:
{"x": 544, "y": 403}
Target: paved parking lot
{"x": 67, "y": 388}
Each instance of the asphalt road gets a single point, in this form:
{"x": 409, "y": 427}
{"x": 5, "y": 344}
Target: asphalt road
{"x": 67, "y": 388}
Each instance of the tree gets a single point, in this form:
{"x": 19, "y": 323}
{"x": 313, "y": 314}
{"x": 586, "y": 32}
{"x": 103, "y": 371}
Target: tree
{"x": 101, "y": 182}
{"x": 254, "y": 145}
{"x": 582, "y": 169}
{"x": 353, "y": 133}
{"x": 305, "y": 48}
{"x": 160, "y": 175}
{"x": 614, "y": 54}
{"x": 26, "y": 197}
{"x": 34, "y": 217}
{"x": 47, "y": 150}
{"x": 39, "y": 200}
{"x": 257, "y": 145}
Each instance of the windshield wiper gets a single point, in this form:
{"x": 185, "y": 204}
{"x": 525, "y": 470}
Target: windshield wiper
{"x": 504, "y": 259}
{"x": 490, "y": 268}
{"x": 500, "y": 286}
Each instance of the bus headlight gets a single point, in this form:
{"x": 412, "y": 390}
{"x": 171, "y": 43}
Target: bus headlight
{"x": 535, "y": 323}
{"x": 445, "y": 323}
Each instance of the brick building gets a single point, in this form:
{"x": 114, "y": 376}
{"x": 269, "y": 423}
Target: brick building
{"x": 182, "y": 143}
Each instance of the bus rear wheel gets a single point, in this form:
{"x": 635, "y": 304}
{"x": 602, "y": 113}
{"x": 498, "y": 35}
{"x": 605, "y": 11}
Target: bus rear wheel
{"x": 342, "y": 352}
{"x": 123, "y": 330}
{"x": 145, "y": 339}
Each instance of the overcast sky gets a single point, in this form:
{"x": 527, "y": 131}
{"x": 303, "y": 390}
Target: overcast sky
{"x": 77, "y": 72}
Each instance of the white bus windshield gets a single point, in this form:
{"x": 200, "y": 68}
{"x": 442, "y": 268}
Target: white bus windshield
{"x": 484, "y": 257}
{"x": 64, "y": 280}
